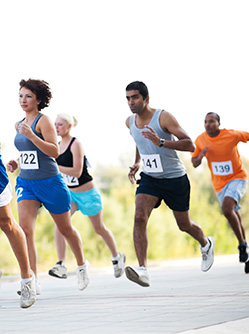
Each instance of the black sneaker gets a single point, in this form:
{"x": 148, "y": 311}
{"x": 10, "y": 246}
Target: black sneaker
{"x": 247, "y": 267}
{"x": 243, "y": 254}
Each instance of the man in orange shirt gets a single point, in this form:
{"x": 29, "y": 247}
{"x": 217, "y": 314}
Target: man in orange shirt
{"x": 229, "y": 177}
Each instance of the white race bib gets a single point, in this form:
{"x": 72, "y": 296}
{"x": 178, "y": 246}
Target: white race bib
{"x": 70, "y": 180}
{"x": 152, "y": 163}
{"x": 222, "y": 168}
{"x": 28, "y": 160}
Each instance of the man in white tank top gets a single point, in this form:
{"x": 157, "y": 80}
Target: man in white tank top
{"x": 163, "y": 178}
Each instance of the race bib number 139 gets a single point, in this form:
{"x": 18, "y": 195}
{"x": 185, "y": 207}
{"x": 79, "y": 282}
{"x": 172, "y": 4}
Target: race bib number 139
{"x": 152, "y": 163}
{"x": 222, "y": 168}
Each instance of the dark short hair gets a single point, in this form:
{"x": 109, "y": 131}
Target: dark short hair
{"x": 41, "y": 89}
{"x": 216, "y": 115}
{"x": 140, "y": 86}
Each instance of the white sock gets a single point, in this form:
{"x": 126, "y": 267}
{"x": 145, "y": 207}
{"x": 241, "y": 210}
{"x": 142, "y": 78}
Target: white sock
{"x": 115, "y": 258}
{"x": 26, "y": 280}
{"x": 206, "y": 247}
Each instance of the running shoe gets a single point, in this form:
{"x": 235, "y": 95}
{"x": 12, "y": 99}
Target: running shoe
{"x": 243, "y": 252}
{"x": 28, "y": 293}
{"x": 139, "y": 276}
{"x": 208, "y": 255}
{"x": 119, "y": 265}
{"x": 247, "y": 267}
{"x": 37, "y": 288}
{"x": 59, "y": 270}
{"x": 83, "y": 276}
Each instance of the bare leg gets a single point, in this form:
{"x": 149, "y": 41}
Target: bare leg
{"x": 186, "y": 225}
{"x": 27, "y": 210}
{"x": 241, "y": 226}
{"x": 144, "y": 205}
{"x": 16, "y": 238}
{"x": 104, "y": 232}
{"x": 60, "y": 241}
{"x": 72, "y": 236}
{"x": 233, "y": 218}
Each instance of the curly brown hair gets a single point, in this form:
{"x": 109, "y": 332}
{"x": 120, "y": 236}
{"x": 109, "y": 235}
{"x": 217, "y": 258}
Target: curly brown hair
{"x": 41, "y": 89}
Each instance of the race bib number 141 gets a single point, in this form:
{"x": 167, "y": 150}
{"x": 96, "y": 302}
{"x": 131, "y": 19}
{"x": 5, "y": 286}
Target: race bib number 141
{"x": 152, "y": 163}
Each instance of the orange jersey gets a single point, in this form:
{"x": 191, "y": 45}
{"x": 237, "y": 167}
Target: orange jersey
{"x": 222, "y": 155}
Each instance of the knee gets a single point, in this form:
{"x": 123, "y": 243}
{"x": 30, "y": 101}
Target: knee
{"x": 6, "y": 225}
{"x": 28, "y": 231}
{"x": 227, "y": 211}
{"x": 184, "y": 226}
{"x": 99, "y": 230}
{"x": 64, "y": 231}
{"x": 140, "y": 219}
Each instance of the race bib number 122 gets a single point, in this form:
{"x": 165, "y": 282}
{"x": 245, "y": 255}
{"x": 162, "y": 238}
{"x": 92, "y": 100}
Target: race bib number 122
{"x": 28, "y": 160}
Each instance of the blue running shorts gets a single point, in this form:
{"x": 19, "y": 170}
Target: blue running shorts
{"x": 175, "y": 192}
{"x": 88, "y": 202}
{"x": 235, "y": 189}
{"x": 51, "y": 192}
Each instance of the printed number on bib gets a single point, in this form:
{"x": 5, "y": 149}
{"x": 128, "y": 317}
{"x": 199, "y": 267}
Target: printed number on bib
{"x": 152, "y": 163}
{"x": 222, "y": 168}
{"x": 70, "y": 180}
{"x": 28, "y": 160}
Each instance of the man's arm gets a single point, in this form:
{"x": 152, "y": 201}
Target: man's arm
{"x": 169, "y": 124}
{"x": 198, "y": 160}
{"x": 134, "y": 168}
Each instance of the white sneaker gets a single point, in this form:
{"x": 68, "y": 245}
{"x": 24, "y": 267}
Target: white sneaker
{"x": 83, "y": 276}
{"x": 28, "y": 293}
{"x": 37, "y": 287}
{"x": 208, "y": 255}
{"x": 59, "y": 270}
{"x": 119, "y": 265}
{"x": 139, "y": 276}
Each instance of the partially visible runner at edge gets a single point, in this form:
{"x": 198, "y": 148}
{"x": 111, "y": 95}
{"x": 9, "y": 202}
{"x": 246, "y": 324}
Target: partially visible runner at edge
{"x": 17, "y": 240}
{"x": 229, "y": 176}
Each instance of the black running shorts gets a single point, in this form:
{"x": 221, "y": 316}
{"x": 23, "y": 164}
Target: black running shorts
{"x": 175, "y": 192}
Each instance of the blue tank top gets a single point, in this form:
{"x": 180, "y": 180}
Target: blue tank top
{"x": 33, "y": 163}
{"x": 158, "y": 162}
{"x": 4, "y": 180}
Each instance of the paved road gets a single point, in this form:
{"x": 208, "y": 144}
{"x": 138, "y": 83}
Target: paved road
{"x": 181, "y": 299}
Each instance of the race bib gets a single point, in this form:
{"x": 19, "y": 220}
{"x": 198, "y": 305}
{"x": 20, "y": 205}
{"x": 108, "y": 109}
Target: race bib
{"x": 28, "y": 160}
{"x": 222, "y": 168}
{"x": 152, "y": 163}
{"x": 70, "y": 180}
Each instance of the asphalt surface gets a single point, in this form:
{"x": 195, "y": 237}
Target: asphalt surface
{"x": 181, "y": 299}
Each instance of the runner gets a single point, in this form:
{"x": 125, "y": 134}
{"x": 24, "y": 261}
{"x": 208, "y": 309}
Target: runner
{"x": 84, "y": 196}
{"x": 16, "y": 239}
{"x": 163, "y": 178}
{"x": 229, "y": 177}
{"x": 39, "y": 181}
